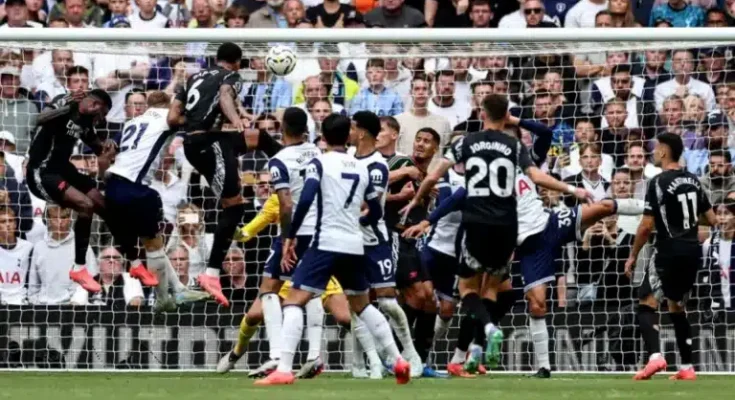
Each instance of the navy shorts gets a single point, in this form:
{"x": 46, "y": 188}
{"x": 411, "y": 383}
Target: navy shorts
{"x": 379, "y": 266}
{"x": 273, "y": 263}
{"x": 133, "y": 208}
{"x": 538, "y": 253}
{"x": 443, "y": 271}
{"x": 317, "y": 267}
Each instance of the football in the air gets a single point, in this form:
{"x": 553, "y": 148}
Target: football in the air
{"x": 281, "y": 60}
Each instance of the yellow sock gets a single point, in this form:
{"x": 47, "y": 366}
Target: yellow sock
{"x": 246, "y": 332}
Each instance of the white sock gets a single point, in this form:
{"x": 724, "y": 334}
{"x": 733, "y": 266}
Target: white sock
{"x": 630, "y": 206}
{"x": 358, "y": 359}
{"x": 441, "y": 327}
{"x": 273, "y": 318}
{"x": 78, "y": 267}
{"x": 293, "y": 328}
{"x": 212, "y": 272}
{"x": 364, "y": 343}
{"x": 655, "y": 356}
{"x": 490, "y": 328}
{"x": 379, "y": 328}
{"x": 314, "y": 324}
{"x": 683, "y": 367}
{"x": 158, "y": 262}
{"x": 459, "y": 356}
{"x": 540, "y": 338}
{"x": 398, "y": 322}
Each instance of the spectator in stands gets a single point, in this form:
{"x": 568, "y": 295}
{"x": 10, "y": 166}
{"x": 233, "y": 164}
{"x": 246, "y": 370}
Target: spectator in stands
{"x": 320, "y": 110}
{"x": 169, "y": 185}
{"x": 394, "y": 14}
{"x": 568, "y": 163}
{"x": 119, "y": 74}
{"x": 713, "y": 66}
{"x": 17, "y": 15}
{"x": 730, "y": 110}
{"x": 671, "y": 117}
{"x": 118, "y": 287}
{"x": 623, "y": 86}
{"x": 716, "y": 18}
{"x": 294, "y": 12}
{"x": 202, "y": 16}
{"x": 693, "y": 121}
{"x": 177, "y": 12}
{"x": 270, "y": 16}
{"x": 148, "y": 17}
{"x": 12, "y": 159}
{"x": 679, "y": 13}
{"x": 418, "y": 116}
{"x": 590, "y": 261}
{"x": 721, "y": 91}
{"x": 330, "y": 14}
{"x": 270, "y": 124}
{"x": 640, "y": 170}
{"x": 444, "y": 103}
{"x": 474, "y": 123}
{"x": 218, "y": 8}
{"x": 15, "y": 253}
{"x": 179, "y": 257}
{"x": 37, "y": 12}
{"x": 189, "y": 233}
{"x": 621, "y": 12}
{"x": 583, "y": 14}
{"x": 589, "y": 178}
{"x": 78, "y": 13}
{"x": 17, "y": 112}
{"x": 117, "y": 9}
{"x": 535, "y": 12}
{"x": 135, "y": 104}
{"x": 343, "y": 89}
{"x": 544, "y": 111}
{"x": 683, "y": 83}
{"x": 61, "y": 61}
{"x": 376, "y": 97}
{"x": 517, "y": 19}
{"x": 397, "y": 77}
{"x": 48, "y": 280}
{"x": 315, "y": 91}
{"x": 236, "y": 16}
{"x": 267, "y": 94}
{"x": 178, "y": 78}
{"x": 616, "y": 136}
{"x": 77, "y": 81}
{"x": 447, "y": 14}
{"x": 15, "y": 195}
{"x": 654, "y": 71}
{"x": 719, "y": 180}
{"x": 480, "y": 14}
{"x": 235, "y": 276}
{"x": 553, "y": 83}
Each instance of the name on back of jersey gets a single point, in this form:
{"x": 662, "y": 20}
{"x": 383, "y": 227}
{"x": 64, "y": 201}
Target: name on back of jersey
{"x": 496, "y": 146}
{"x": 684, "y": 180}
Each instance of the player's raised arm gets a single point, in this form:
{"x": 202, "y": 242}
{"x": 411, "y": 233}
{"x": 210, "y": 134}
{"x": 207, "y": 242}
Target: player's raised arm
{"x": 176, "y": 116}
{"x": 543, "y": 179}
{"x": 448, "y": 204}
{"x": 228, "y": 105}
{"x": 282, "y": 186}
{"x": 430, "y": 181}
{"x": 541, "y": 144}
{"x": 268, "y": 215}
{"x": 375, "y": 210}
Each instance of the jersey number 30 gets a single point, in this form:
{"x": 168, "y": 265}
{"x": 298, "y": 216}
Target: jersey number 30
{"x": 131, "y": 136}
{"x": 490, "y": 171}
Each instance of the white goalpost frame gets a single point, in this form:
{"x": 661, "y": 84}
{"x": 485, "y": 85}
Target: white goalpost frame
{"x": 504, "y": 42}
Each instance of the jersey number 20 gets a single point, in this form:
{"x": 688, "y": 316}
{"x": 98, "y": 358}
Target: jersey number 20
{"x": 491, "y": 172}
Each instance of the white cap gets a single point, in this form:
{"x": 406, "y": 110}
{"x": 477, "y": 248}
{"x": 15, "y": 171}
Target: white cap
{"x": 9, "y": 70}
{"x": 7, "y": 136}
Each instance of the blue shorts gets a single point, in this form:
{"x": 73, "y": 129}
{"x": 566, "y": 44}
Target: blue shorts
{"x": 379, "y": 266}
{"x": 442, "y": 269}
{"x": 133, "y": 208}
{"x": 538, "y": 253}
{"x": 273, "y": 262}
{"x": 317, "y": 267}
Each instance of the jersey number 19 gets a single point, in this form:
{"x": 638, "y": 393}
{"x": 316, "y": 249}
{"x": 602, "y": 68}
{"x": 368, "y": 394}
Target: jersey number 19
{"x": 490, "y": 171}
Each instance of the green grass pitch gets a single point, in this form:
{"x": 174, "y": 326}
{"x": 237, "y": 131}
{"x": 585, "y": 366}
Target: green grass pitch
{"x": 186, "y": 386}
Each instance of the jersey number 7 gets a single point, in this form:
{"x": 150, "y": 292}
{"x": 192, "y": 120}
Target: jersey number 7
{"x": 355, "y": 178}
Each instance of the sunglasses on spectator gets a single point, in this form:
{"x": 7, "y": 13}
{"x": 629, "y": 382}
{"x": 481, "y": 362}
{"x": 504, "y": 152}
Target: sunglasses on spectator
{"x": 529, "y": 11}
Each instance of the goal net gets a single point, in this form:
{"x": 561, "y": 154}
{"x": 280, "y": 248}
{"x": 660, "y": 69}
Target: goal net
{"x": 606, "y": 94}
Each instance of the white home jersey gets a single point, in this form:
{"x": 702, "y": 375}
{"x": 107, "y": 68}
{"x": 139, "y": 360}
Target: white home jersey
{"x": 141, "y": 143}
{"x": 288, "y": 168}
{"x": 532, "y": 217}
{"x": 378, "y": 171}
{"x": 344, "y": 183}
{"x": 14, "y": 264}
{"x": 443, "y": 237}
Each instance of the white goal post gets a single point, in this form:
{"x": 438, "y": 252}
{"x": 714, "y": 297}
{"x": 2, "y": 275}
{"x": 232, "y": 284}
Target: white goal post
{"x": 592, "y": 328}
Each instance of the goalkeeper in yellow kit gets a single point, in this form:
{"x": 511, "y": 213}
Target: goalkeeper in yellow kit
{"x": 333, "y": 300}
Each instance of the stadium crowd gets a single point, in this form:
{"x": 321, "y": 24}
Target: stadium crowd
{"x": 604, "y": 109}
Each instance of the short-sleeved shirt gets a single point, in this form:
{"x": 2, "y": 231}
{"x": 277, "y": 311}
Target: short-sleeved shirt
{"x": 329, "y": 20}
{"x": 201, "y": 96}
{"x": 675, "y": 199}
{"x": 491, "y": 159}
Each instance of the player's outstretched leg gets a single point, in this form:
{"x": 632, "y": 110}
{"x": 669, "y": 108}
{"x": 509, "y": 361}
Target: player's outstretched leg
{"x": 84, "y": 206}
{"x": 536, "y": 297}
{"x": 248, "y": 327}
{"x": 314, "y": 327}
{"x": 400, "y": 325}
